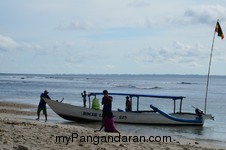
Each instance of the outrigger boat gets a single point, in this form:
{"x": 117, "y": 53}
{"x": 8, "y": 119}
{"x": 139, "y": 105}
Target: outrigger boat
{"x": 154, "y": 116}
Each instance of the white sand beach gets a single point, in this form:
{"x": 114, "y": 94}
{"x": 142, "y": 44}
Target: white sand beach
{"x": 19, "y": 133}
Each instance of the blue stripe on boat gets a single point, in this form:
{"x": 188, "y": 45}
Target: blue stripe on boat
{"x": 198, "y": 120}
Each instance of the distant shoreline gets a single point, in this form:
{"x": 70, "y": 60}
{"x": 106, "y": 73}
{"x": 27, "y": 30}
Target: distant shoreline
{"x": 135, "y": 74}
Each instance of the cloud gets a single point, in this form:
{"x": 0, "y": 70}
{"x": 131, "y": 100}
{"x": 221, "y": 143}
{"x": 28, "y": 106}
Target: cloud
{"x": 76, "y": 57}
{"x": 109, "y": 66}
{"x": 76, "y": 24}
{"x": 206, "y": 13}
{"x": 177, "y": 53}
{"x": 8, "y": 44}
{"x": 63, "y": 44}
{"x": 74, "y": 60}
{"x": 161, "y": 22}
{"x": 139, "y": 3}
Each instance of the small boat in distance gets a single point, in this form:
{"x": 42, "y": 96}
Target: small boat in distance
{"x": 154, "y": 116}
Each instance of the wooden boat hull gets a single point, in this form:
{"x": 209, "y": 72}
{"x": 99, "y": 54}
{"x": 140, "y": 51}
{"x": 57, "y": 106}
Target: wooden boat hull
{"x": 78, "y": 113}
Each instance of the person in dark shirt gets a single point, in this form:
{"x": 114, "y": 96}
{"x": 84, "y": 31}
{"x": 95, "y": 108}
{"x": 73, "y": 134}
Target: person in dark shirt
{"x": 128, "y": 104}
{"x": 42, "y": 105}
{"x": 84, "y": 95}
{"x": 107, "y": 103}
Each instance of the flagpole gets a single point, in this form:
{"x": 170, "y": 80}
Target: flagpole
{"x": 207, "y": 84}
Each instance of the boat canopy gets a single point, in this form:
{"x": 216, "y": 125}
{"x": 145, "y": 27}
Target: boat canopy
{"x": 174, "y": 98}
{"x": 141, "y": 95}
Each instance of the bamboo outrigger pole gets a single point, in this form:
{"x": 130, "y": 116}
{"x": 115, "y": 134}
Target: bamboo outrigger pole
{"x": 220, "y": 33}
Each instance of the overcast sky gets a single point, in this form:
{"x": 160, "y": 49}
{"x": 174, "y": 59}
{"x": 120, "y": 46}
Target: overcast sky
{"x": 111, "y": 36}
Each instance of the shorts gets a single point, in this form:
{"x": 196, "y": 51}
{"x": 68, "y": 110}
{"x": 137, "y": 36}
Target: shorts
{"x": 42, "y": 109}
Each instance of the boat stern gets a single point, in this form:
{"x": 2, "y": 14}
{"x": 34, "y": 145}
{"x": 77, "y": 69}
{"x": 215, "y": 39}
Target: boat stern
{"x": 208, "y": 116}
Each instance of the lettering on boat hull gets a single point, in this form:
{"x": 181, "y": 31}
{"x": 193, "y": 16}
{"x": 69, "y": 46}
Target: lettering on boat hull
{"x": 91, "y": 114}
{"x": 123, "y": 117}
{"x": 85, "y": 113}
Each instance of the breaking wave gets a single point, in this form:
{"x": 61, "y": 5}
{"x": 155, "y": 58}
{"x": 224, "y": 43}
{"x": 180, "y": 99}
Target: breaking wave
{"x": 186, "y": 83}
{"x": 137, "y": 87}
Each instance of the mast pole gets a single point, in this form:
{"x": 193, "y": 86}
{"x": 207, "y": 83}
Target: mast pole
{"x": 208, "y": 76}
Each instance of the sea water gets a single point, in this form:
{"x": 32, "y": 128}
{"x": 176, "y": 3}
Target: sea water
{"x": 26, "y": 88}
